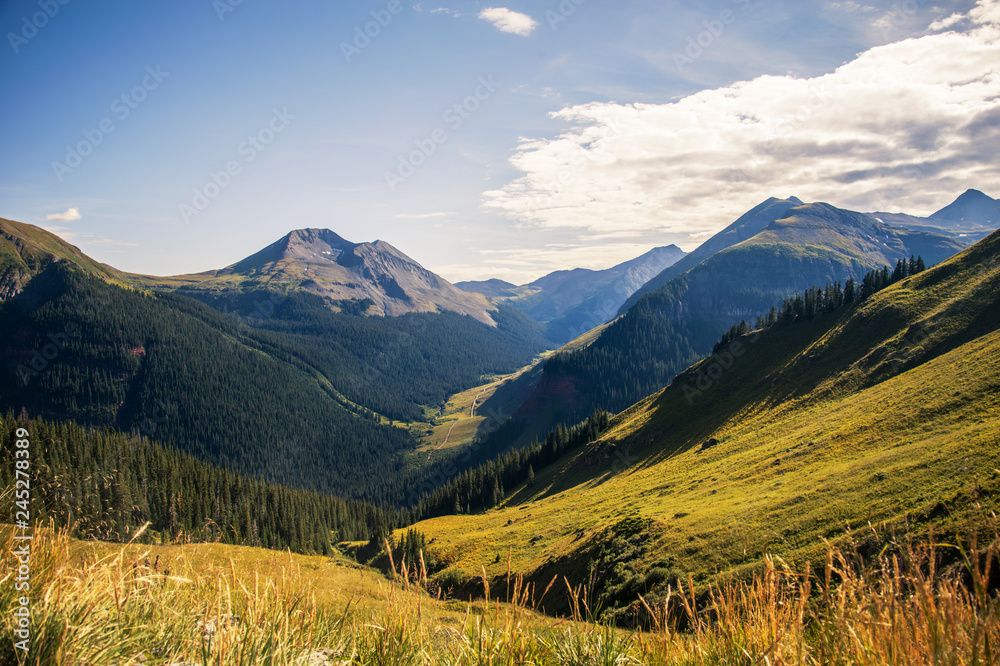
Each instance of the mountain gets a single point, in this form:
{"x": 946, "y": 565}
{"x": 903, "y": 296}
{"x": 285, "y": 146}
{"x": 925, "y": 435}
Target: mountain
{"x": 970, "y": 218}
{"x": 864, "y": 426}
{"x": 673, "y": 325}
{"x": 972, "y": 207}
{"x": 492, "y": 288}
{"x": 747, "y": 226}
{"x": 572, "y": 302}
{"x": 272, "y": 384}
{"x": 321, "y": 262}
{"x": 26, "y": 251}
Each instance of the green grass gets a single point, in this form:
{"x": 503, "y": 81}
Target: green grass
{"x": 32, "y": 248}
{"x": 878, "y": 420}
{"x": 99, "y": 604}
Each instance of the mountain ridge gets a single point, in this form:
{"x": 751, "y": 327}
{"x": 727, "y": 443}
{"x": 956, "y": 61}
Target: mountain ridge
{"x": 571, "y": 302}
{"x": 745, "y": 227}
{"x": 321, "y": 262}
{"x": 881, "y": 413}
{"x": 673, "y": 325}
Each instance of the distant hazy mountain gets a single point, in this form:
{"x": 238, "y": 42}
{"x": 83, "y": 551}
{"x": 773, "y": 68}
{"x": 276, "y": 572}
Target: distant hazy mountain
{"x": 494, "y": 288}
{"x": 970, "y": 218}
{"x": 672, "y": 325}
{"x": 321, "y": 262}
{"x": 572, "y": 302}
{"x": 972, "y": 207}
{"x": 746, "y": 227}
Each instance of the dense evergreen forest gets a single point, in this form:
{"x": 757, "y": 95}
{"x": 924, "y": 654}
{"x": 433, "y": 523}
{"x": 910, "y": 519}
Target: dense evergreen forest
{"x": 486, "y": 485}
{"x": 816, "y": 301}
{"x": 635, "y": 356}
{"x": 107, "y": 485}
{"x": 642, "y": 352}
{"x": 272, "y": 404}
{"x": 391, "y": 366}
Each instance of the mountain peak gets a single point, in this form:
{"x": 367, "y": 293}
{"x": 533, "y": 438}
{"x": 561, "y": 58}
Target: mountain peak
{"x": 972, "y": 206}
{"x": 315, "y": 235}
{"x": 323, "y": 262}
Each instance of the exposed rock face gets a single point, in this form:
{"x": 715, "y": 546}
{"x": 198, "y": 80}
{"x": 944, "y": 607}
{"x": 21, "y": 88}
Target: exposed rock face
{"x": 320, "y": 261}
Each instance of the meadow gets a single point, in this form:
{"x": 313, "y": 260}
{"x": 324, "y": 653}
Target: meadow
{"x": 95, "y": 603}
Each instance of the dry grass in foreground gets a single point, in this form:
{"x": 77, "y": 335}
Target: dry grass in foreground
{"x": 111, "y": 608}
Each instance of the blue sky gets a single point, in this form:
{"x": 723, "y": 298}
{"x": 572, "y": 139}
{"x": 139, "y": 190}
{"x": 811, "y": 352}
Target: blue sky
{"x": 585, "y": 131}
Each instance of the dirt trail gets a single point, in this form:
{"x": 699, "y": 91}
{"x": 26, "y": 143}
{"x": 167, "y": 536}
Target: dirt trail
{"x": 475, "y": 401}
{"x": 472, "y": 414}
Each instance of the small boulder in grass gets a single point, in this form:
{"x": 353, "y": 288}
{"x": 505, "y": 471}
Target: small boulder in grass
{"x": 323, "y": 657}
{"x": 709, "y": 444}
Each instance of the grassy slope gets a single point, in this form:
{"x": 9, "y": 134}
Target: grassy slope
{"x": 28, "y": 249}
{"x": 908, "y": 432}
{"x": 102, "y": 603}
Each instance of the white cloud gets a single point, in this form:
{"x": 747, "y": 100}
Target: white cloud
{"x": 945, "y": 23}
{"x": 506, "y": 20}
{"x": 906, "y": 126}
{"x": 70, "y": 215}
{"x": 851, "y": 7}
